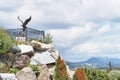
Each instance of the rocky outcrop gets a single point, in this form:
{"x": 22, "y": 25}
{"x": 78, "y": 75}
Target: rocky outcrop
{"x": 41, "y": 46}
{"x": 21, "y": 61}
{"x": 36, "y": 53}
{"x": 44, "y": 73}
{"x": 26, "y": 53}
{"x": 26, "y": 74}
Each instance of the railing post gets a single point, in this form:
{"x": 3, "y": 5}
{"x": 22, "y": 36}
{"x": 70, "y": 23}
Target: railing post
{"x": 26, "y": 34}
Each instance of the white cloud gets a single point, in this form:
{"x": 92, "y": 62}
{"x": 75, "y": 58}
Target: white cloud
{"x": 65, "y": 37}
{"x": 91, "y": 47}
{"x": 6, "y": 5}
{"x": 62, "y": 11}
{"x": 107, "y": 45}
{"x": 103, "y": 29}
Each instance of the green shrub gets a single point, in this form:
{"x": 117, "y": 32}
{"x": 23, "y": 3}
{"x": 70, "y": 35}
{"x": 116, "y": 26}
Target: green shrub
{"x": 6, "y": 61}
{"x": 47, "y": 39}
{"x": 114, "y": 75}
{"x": 35, "y": 69}
{"x": 3, "y": 67}
{"x": 6, "y": 42}
{"x": 13, "y": 70}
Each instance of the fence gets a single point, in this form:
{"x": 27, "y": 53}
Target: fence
{"x": 28, "y": 34}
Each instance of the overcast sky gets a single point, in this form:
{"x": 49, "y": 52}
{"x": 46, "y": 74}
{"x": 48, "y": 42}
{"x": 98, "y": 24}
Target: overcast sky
{"x": 80, "y": 28}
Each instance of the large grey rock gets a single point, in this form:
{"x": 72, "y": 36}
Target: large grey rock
{"x": 15, "y": 49}
{"x": 26, "y": 74}
{"x": 51, "y": 72}
{"x": 54, "y": 53}
{"x": 21, "y": 61}
{"x": 44, "y": 73}
{"x": 7, "y": 76}
{"x": 42, "y": 58}
{"x": 25, "y": 48}
{"x": 41, "y": 46}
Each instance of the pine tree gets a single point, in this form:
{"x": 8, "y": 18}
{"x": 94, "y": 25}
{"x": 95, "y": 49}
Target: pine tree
{"x": 47, "y": 39}
{"x": 110, "y": 67}
{"x": 80, "y": 75}
{"x": 60, "y": 70}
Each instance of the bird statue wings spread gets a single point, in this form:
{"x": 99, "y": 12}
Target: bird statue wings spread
{"x": 25, "y": 22}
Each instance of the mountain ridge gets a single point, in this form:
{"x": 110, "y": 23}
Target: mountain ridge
{"x": 95, "y": 62}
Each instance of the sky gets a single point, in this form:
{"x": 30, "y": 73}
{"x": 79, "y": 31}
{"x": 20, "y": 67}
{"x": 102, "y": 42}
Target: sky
{"x": 80, "y": 28}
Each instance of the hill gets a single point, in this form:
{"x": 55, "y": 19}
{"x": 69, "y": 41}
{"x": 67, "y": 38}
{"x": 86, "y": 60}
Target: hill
{"x": 95, "y": 62}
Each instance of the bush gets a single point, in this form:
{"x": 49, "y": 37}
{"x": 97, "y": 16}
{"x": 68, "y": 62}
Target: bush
{"x": 13, "y": 70}
{"x": 47, "y": 39}
{"x": 80, "y": 75}
{"x": 3, "y": 67}
{"x": 114, "y": 75}
{"x": 60, "y": 70}
{"x": 35, "y": 69}
{"x": 6, "y": 42}
{"x": 6, "y": 61}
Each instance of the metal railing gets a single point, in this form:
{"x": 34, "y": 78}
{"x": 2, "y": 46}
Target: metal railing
{"x": 28, "y": 34}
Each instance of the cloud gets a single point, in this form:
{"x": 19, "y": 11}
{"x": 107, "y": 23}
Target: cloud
{"x": 66, "y": 37}
{"x": 105, "y": 28}
{"x": 84, "y": 41}
{"x": 68, "y": 12}
{"x": 9, "y": 6}
{"x": 107, "y": 45}
{"x": 100, "y": 10}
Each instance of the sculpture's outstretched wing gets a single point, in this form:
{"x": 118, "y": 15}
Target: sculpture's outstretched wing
{"x": 26, "y": 21}
{"x": 20, "y": 20}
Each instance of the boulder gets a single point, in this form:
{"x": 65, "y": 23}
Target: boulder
{"x": 30, "y": 54}
{"x": 21, "y": 61}
{"x": 7, "y": 76}
{"x": 41, "y": 46}
{"x": 44, "y": 73}
{"x": 51, "y": 71}
{"x": 25, "y": 48}
{"x": 15, "y": 49}
{"x": 42, "y": 58}
{"x": 54, "y": 54}
{"x": 26, "y": 74}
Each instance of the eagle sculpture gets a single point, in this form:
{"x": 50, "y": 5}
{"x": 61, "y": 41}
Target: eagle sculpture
{"x": 25, "y": 22}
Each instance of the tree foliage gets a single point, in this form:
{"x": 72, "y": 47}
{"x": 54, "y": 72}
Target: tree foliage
{"x": 60, "y": 70}
{"x": 80, "y": 75}
{"x": 47, "y": 39}
{"x": 96, "y": 74}
{"x": 114, "y": 75}
{"x": 6, "y": 42}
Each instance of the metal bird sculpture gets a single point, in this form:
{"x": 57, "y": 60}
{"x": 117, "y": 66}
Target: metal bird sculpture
{"x": 25, "y": 22}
